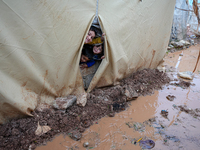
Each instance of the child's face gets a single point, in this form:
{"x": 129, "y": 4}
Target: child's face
{"x": 84, "y": 58}
{"x": 90, "y": 37}
{"x": 97, "y": 49}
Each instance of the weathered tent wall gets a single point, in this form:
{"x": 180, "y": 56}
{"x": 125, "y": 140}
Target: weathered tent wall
{"x": 41, "y": 41}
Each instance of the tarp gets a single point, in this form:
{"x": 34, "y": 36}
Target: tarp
{"x": 179, "y": 25}
{"x": 41, "y": 42}
{"x": 193, "y": 19}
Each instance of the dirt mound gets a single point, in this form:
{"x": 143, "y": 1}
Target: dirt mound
{"x": 20, "y": 133}
{"x": 182, "y": 84}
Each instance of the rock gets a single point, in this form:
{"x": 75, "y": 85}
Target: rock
{"x": 182, "y": 41}
{"x": 192, "y": 42}
{"x": 187, "y": 43}
{"x": 152, "y": 119}
{"x": 75, "y": 135}
{"x": 170, "y": 47}
{"x": 185, "y": 109}
{"x": 164, "y": 113}
{"x": 64, "y": 102}
{"x": 172, "y": 43}
{"x": 186, "y": 75}
{"x": 130, "y": 93}
{"x": 177, "y": 44}
{"x": 197, "y": 110}
{"x": 170, "y": 97}
{"x": 161, "y": 68}
{"x": 86, "y": 144}
{"x": 111, "y": 114}
{"x": 82, "y": 99}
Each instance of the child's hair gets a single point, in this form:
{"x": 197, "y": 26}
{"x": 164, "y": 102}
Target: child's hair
{"x": 93, "y": 29}
{"x": 87, "y": 53}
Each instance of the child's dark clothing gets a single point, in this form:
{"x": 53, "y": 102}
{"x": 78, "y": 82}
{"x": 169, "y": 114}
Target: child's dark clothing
{"x": 89, "y": 63}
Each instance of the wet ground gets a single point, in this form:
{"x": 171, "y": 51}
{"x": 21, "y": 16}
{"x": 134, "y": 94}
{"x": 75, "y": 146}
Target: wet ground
{"x": 167, "y": 115}
{"x": 177, "y": 130}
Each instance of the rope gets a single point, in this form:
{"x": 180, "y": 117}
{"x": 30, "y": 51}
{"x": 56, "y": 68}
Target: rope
{"x": 97, "y": 9}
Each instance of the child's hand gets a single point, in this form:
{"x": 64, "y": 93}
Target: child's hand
{"x": 102, "y": 37}
{"x": 102, "y": 57}
{"x": 82, "y": 66}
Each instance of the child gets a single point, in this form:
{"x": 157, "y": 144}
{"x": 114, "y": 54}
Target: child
{"x": 97, "y": 48}
{"x": 97, "y": 40}
{"x": 86, "y": 59}
{"x": 90, "y": 36}
{"x": 98, "y": 51}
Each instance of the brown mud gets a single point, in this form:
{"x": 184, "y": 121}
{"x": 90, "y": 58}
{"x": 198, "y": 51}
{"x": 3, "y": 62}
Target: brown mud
{"x": 143, "y": 119}
{"x": 20, "y": 133}
{"x": 178, "y": 131}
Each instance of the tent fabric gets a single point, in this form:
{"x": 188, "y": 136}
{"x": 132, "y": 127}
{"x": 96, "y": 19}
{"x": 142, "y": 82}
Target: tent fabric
{"x": 41, "y": 42}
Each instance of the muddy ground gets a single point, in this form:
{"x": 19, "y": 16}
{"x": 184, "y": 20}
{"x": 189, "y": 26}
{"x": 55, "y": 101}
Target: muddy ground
{"x": 20, "y": 133}
{"x": 169, "y": 118}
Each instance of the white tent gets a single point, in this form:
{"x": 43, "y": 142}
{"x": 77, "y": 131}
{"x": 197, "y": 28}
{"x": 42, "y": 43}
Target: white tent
{"x": 41, "y": 42}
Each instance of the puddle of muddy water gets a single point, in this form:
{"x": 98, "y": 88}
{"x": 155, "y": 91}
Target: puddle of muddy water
{"x": 180, "y": 130}
{"x": 113, "y": 133}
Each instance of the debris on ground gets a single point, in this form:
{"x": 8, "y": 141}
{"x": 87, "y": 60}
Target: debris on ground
{"x": 170, "y": 47}
{"x": 186, "y": 43}
{"x": 19, "y": 133}
{"x": 81, "y": 99}
{"x": 172, "y": 138}
{"x": 42, "y": 130}
{"x": 86, "y": 144}
{"x": 130, "y": 93}
{"x": 195, "y": 113}
{"x": 174, "y": 106}
{"x": 186, "y": 75}
{"x": 147, "y": 144}
{"x": 137, "y": 126}
{"x": 179, "y": 45}
{"x": 164, "y": 113}
{"x": 64, "y": 102}
{"x": 75, "y": 135}
{"x": 182, "y": 84}
{"x": 137, "y": 141}
{"x": 170, "y": 97}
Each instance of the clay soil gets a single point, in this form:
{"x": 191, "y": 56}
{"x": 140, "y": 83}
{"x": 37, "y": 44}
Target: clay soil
{"x": 20, "y": 133}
